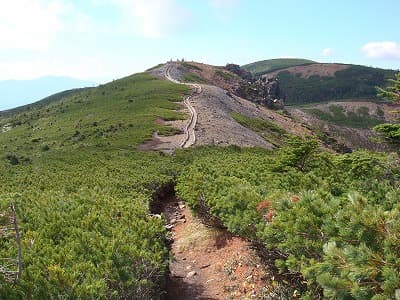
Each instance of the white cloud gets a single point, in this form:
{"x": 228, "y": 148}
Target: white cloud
{"x": 385, "y": 50}
{"x": 152, "y": 18}
{"x": 327, "y": 52}
{"x": 30, "y": 24}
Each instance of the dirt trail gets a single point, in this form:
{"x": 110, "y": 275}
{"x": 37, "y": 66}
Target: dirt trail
{"x": 215, "y": 125}
{"x": 209, "y": 263}
{"x": 190, "y": 136}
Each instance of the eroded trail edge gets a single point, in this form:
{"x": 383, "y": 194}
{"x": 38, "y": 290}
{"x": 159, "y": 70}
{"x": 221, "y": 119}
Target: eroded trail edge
{"x": 208, "y": 263}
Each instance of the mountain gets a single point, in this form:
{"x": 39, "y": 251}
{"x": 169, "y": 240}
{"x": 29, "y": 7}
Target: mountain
{"x": 343, "y": 125}
{"x": 261, "y": 67}
{"x": 14, "y": 93}
{"x": 95, "y": 201}
{"x": 323, "y": 82}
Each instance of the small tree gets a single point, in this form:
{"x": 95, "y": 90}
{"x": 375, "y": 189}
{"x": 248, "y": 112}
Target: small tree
{"x": 392, "y": 92}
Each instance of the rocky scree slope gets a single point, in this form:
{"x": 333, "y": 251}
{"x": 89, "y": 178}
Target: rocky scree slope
{"x": 218, "y": 101}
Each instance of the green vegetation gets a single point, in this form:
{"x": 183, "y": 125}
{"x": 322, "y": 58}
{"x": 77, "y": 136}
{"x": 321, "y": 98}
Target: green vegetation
{"x": 48, "y": 100}
{"x": 334, "y": 219}
{"x": 155, "y": 67}
{"x": 265, "y": 66}
{"x": 85, "y": 224}
{"x": 191, "y": 77}
{"x": 82, "y": 192}
{"x": 355, "y": 82}
{"x": 268, "y": 130}
{"x": 188, "y": 75}
{"x": 190, "y": 66}
{"x": 118, "y": 115}
{"x": 392, "y": 93}
{"x": 225, "y": 75}
{"x": 389, "y": 131}
{"x": 337, "y": 115}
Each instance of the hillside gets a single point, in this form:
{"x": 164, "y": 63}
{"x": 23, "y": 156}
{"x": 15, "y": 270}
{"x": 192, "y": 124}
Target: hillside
{"x": 349, "y": 124}
{"x": 261, "y": 67}
{"x": 43, "y": 102}
{"x": 350, "y": 129}
{"x": 275, "y": 212}
{"x": 324, "y": 82}
{"x": 82, "y": 116}
{"x": 71, "y": 169}
{"x": 338, "y": 102}
{"x": 15, "y": 93}
{"x": 224, "y": 118}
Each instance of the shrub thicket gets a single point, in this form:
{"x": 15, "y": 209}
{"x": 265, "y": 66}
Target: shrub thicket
{"x": 334, "y": 218}
{"x": 355, "y": 82}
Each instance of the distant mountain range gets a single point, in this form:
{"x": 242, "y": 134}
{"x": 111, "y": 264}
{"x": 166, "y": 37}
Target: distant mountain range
{"x": 14, "y": 93}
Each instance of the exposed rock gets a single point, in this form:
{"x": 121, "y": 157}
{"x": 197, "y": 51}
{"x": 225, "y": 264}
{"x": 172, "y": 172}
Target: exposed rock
{"x": 236, "y": 69}
{"x": 191, "y": 274}
{"x": 263, "y": 91}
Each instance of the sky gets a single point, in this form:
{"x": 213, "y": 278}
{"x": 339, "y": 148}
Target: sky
{"x": 102, "y": 40}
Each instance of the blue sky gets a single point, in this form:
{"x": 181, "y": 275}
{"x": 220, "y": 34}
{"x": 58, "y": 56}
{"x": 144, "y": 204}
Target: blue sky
{"x": 101, "y": 40}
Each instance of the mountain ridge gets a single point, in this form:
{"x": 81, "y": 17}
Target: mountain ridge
{"x": 14, "y": 93}
{"x": 264, "y": 66}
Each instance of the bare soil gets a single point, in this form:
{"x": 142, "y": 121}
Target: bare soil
{"x": 214, "y": 106}
{"x": 210, "y": 263}
{"x": 323, "y": 70}
{"x": 167, "y": 143}
{"x": 215, "y": 125}
{"x": 217, "y": 76}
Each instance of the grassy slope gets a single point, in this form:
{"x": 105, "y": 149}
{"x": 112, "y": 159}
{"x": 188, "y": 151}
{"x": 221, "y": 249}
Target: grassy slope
{"x": 265, "y": 66}
{"x": 45, "y": 101}
{"x": 119, "y": 114}
{"x": 82, "y": 192}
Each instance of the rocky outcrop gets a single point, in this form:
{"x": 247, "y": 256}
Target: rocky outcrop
{"x": 236, "y": 69}
{"x": 263, "y": 91}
